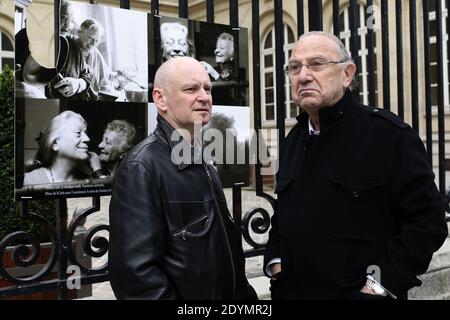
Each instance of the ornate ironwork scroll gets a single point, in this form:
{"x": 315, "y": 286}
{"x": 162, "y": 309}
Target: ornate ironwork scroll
{"x": 26, "y": 255}
{"x": 89, "y": 239}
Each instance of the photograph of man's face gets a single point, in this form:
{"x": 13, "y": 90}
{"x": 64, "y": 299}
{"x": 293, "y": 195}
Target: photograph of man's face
{"x": 90, "y": 34}
{"x": 174, "y": 40}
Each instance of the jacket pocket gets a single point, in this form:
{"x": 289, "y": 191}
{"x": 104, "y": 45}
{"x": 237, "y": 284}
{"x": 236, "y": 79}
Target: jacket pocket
{"x": 193, "y": 229}
{"x": 350, "y": 257}
{"x": 360, "y": 205}
{"x": 189, "y": 219}
{"x": 361, "y": 194}
{"x": 357, "y": 188}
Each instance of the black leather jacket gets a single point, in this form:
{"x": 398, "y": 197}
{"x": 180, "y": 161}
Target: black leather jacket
{"x": 172, "y": 236}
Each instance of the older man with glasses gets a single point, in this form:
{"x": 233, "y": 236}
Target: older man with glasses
{"x": 358, "y": 213}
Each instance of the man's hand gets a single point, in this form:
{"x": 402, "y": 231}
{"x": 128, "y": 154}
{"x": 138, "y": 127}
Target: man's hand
{"x": 275, "y": 268}
{"x": 69, "y": 86}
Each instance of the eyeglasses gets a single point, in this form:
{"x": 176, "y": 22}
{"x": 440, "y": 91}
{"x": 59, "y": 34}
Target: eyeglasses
{"x": 316, "y": 65}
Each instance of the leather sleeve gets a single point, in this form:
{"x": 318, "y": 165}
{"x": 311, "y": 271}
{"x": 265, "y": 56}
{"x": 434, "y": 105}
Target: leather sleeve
{"x": 420, "y": 210}
{"x": 137, "y": 236}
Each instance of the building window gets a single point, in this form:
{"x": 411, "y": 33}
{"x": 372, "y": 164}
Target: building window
{"x": 269, "y": 73}
{"x": 345, "y": 35}
{"x": 20, "y": 16}
{"x": 6, "y": 52}
{"x": 433, "y": 54}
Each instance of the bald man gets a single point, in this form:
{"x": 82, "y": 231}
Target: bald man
{"x": 172, "y": 236}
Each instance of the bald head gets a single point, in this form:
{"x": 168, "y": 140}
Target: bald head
{"x": 168, "y": 69}
{"x": 182, "y": 92}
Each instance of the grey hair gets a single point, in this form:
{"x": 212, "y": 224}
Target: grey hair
{"x": 126, "y": 130}
{"x": 344, "y": 55}
{"x": 226, "y": 36}
{"x": 45, "y": 153}
{"x": 92, "y": 24}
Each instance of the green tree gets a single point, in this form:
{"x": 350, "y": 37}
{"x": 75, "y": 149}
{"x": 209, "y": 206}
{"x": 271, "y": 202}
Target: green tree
{"x": 10, "y": 219}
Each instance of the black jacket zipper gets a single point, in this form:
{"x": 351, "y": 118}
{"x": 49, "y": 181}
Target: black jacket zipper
{"x": 211, "y": 186}
{"x": 183, "y": 230}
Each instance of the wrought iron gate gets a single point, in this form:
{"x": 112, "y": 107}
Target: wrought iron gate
{"x": 256, "y": 219}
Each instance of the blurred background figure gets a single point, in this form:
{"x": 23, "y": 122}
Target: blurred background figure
{"x": 118, "y": 138}
{"x": 63, "y": 147}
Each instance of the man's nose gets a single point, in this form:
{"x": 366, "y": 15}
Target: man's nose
{"x": 204, "y": 96}
{"x": 305, "y": 74}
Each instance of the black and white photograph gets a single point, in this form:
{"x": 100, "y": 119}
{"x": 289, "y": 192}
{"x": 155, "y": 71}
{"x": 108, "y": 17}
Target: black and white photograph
{"x": 227, "y": 139}
{"x": 73, "y": 150}
{"x": 168, "y": 37}
{"x": 33, "y": 71}
{"x": 230, "y": 153}
{"x": 102, "y": 57}
{"x": 224, "y": 54}
{"x": 221, "y": 50}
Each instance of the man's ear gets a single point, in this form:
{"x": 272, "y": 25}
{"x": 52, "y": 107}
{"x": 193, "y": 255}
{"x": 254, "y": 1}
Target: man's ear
{"x": 160, "y": 99}
{"x": 349, "y": 71}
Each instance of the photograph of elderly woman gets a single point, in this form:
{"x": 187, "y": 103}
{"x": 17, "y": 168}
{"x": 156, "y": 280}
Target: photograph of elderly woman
{"x": 220, "y": 49}
{"x": 168, "y": 38}
{"x": 75, "y": 150}
{"x": 224, "y": 54}
{"x": 102, "y": 56}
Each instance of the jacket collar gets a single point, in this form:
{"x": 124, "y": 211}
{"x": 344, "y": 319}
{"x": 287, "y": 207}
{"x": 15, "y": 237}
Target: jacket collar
{"x": 330, "y": 115}
{"x": 165, "y": 131}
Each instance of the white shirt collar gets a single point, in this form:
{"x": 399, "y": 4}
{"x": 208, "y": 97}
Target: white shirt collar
{"x": 311, "y": 130}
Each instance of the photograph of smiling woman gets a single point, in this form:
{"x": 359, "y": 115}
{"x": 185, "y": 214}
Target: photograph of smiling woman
{"x": 62, "y": 146}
